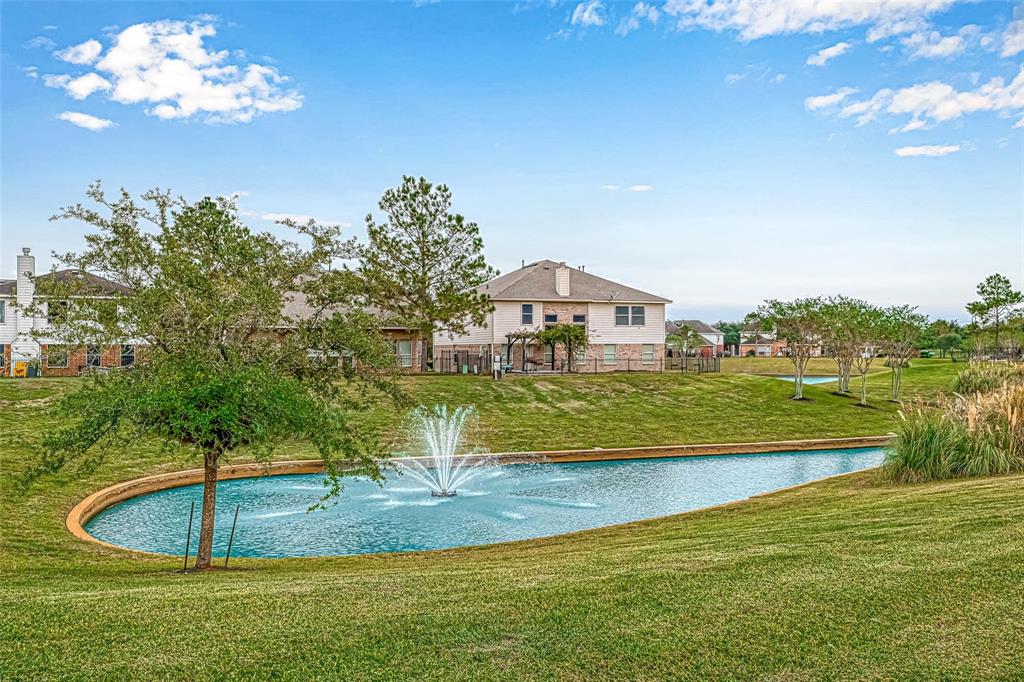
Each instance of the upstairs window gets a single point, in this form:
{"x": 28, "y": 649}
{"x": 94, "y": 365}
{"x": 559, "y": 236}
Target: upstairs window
{"x": 621, "y": 315}
{"x": 638, "y": 315}
{"x": 3, "y": 311}
{"x": 127, "y": 355}
{"x": 527, "y": 313}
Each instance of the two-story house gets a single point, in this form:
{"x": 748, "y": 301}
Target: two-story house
{"x": 26, "y": 348}
{"x": 625, "y": 326}
{"x": 713, "y": 338}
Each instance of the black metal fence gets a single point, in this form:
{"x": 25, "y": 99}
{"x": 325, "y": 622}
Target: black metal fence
{"x": 992, "y": 354}
{"x": 462, "y": 362}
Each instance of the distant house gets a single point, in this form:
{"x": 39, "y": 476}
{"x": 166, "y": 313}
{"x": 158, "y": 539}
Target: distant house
{"x": 625, "y": 326}
{"x": 408, "y": 353}
{"x": 714, "y": 339}
{"x": 764, "y": 344}
{"x": 26, "y": 347}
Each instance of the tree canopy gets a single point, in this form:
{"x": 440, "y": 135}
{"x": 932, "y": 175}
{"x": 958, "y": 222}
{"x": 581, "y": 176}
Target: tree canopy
{"x": 997, "y": 301}
{"x": 422, "y": 265}
{"x": 220, "y": 366}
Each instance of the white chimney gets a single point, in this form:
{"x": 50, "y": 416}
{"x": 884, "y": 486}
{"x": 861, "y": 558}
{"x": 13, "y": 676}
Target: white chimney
{"x": 562, "y": 280}
{"x": 26, "y": 288}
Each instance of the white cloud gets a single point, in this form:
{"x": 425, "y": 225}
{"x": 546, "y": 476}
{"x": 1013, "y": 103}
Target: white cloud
{"x": 50, "y": 27}
{"x": 611, "y": 188}
{"x": 821, "y": 57}
{"x": 165, "y": 64}
{"x": 83, "y": 53}
{"x": 79, "y": 88}
{"x": 913, "y": 124}
{"x": 301, "y": 218}
{"x": 588, "y": 14}
{"x": 31, "y": 71}
{"x": 1013, "y": 38}
{"x": 825, "y": 101}
{"x": 40, "y": 42}
{"x": 755, "y": 72}
{"x": 928, "y": 150}
{"x": 933, "y": 45}
{"x": 640, "y": 188}
{"x": 641, "y": 11}
{"x": 1019, "y": 123}
{"x": 85, "y": 120}
{"x": 753, "y": 20}
{"x": 732, "y": 78}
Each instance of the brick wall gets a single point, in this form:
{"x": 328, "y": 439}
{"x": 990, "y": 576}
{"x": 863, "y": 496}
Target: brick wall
{"x": 110, "y": 357}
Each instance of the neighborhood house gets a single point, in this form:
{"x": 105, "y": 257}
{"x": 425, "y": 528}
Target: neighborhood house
{"x": 713, "y": 339}
{"x": 25, "y": 348}
{"x": 625, "y": 326}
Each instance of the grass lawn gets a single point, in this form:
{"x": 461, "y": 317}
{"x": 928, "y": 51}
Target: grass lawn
{"x": 844, "y": 578}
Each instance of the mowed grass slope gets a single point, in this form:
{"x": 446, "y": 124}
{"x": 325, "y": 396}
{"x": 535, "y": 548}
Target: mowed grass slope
{"x": 845, "y": 578}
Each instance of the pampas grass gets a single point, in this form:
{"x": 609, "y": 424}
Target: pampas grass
{"x": 977, "y": 435}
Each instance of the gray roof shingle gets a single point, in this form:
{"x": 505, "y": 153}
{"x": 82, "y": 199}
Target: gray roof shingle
{"x": 536, "y": 282}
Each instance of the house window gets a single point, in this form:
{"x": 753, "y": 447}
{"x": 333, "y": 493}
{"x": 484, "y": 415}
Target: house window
{"x": 579, "y": 319}
{"x": 609, "y": 354}
{"x": 648, "y": 353}
{"x": 127, "y": 355}
{"x": 638, "y": 315}
{"x": 527, "y": 313}
{"x": 549, "y": 355}
{"x": 581, "y": 355}
{"x": 56, "y": 356}
{"x": 550, "y": 318}
{"x": 3, "y": 311}
{"x": 93, "y": 357}
{"x": 621, "y": 315}
{"x": 3, "y": 355}
{"x": 403, "y": 350}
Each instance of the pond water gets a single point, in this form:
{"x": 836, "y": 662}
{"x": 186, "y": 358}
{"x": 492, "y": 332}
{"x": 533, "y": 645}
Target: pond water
{"x": 509, "y": 502}
{"x": 808, "y": 379}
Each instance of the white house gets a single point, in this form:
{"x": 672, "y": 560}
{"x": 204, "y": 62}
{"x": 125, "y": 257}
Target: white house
{"x": 25, "y": 349}
{"x": 714, "y": 338}
{"x": 625, "y": 326}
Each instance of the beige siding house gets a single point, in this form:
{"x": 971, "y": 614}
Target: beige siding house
{"x": 626, "y": 326}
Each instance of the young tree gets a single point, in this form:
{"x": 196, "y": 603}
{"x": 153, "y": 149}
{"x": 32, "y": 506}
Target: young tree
{"x": 867, "y": 339}
{"x": 684, "y": 340}
{"x": 423, "y": 264}
{"x": 901, "y": 329}
{"x": 797, "y": 322}
{"x": 838, "y": 319}
{"x": 947, "y": 343}
{"x": 569, "y": 337}
{"x": 203, "y": 296}
{"x": 730, "y": 335}
{"x": 998, "y": 301}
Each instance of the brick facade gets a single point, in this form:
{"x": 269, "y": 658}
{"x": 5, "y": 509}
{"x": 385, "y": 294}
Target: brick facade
{"x": 110, "y": 358}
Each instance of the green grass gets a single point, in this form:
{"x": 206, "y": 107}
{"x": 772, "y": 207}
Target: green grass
{"x": 845, "y": 578}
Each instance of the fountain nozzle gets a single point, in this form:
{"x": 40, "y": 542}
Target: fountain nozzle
{"x": 443, "y": 493}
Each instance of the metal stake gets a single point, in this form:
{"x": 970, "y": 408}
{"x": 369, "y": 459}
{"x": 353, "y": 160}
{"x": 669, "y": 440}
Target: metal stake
{"x": 231, "y": 538}
{"x": 188, "y": 538}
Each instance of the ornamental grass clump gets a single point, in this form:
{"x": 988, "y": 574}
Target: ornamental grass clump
{"x": 977, "y": 435}
{"x": 985, "y": 377}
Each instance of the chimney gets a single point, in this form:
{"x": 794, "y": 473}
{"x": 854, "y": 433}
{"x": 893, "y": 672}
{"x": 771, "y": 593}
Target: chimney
{"x": 26, "y": 288}
{"x": 562, "y": 280}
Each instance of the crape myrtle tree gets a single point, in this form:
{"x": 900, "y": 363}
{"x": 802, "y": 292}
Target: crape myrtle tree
{"x": 683, "y": 340}
{"x": 799, "y": 324}
{"x": 212, "y": 378}
{"x": 901, "y": 330}
{"x": 998, "y": 300}
{"x": 421, "y": 267}
{"x": 868, "y": 331}
{"x": 839, "y": 315}
{"x": 569, "y": 337}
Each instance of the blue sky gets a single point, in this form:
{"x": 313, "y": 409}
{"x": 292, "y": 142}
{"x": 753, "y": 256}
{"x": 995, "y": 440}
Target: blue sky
{"x": 714, "y": 153}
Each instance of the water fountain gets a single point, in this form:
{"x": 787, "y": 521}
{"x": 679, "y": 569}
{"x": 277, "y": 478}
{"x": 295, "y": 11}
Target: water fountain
{"x": 443, "y": 469}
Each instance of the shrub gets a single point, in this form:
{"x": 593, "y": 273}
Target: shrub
{"x": 982, "y": 378}
{"x": 980, "y": 435}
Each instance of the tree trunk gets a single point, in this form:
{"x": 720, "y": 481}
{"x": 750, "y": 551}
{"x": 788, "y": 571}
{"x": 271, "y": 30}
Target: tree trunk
{"x": 864, "y": 389}
{"x": 211, "y": 462}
